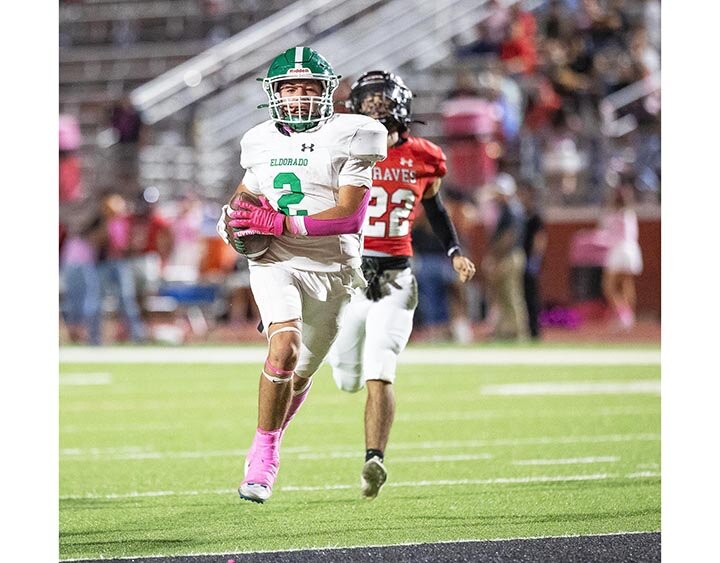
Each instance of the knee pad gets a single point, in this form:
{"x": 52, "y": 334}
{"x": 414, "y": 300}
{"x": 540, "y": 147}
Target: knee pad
{"x": 284, "y": 329}
{"x": 272, "y": 373}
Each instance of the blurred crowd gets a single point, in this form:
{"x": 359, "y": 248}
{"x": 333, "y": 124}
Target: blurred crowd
{"x": 531, "y": 128}
{"x": 543, "y": 99}
{"x": 153, "y": 265}
{"x": 159, "y": 271}
{"x": 525, "y": 126}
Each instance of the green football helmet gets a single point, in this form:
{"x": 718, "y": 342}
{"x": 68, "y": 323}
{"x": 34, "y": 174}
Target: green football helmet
{"x": 300, "y": 113}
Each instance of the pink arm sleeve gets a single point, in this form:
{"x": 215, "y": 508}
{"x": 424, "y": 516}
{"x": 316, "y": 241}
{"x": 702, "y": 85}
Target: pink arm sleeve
{"x": 324, "y": 227}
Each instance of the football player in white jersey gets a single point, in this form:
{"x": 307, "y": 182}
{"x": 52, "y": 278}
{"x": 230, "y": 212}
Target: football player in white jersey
{"x": 311, "y": 169}
{"x": 376, "y": 325}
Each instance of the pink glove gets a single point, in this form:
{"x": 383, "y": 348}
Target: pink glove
{"x": 254, "y": 220}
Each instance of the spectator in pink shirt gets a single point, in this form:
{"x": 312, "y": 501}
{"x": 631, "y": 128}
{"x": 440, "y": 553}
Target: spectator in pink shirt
{"x": 472, "y": 124}
{"x": 111, "y": 235}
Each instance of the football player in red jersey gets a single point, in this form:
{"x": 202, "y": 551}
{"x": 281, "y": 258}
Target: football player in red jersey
{"x": 377, "y": 323}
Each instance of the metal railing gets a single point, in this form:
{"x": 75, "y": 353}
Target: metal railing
{"x": 224, "y": 63}
{"x": 399, "y": 33}
{"x": 614, "y": 126}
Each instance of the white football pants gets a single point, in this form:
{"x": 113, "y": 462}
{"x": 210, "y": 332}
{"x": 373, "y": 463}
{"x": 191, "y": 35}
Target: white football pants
{"x": 317, "y": 298}
{"x": 373, "y": 333}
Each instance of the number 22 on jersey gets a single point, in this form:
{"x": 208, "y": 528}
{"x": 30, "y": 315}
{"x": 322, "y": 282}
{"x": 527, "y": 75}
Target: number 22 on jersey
{"x": 382, "y": 224}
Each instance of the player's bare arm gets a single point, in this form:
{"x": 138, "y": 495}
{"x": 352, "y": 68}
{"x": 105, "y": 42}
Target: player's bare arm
{"x": 350, "y": 200}
{"x": 442, "y": 226}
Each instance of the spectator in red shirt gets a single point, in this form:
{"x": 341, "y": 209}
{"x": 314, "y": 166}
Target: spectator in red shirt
{"x": 518, "y": 50}
{"x": 525, "y": 19}
{"x": 70, "y": 177}
{"x": 69, "y": 141}
{"x": 151, "y": 244}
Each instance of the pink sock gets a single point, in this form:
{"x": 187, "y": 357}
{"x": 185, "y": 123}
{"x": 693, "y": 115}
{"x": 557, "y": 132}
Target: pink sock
{"x": 263, "y": 459}
{"x": 295, "y": 404}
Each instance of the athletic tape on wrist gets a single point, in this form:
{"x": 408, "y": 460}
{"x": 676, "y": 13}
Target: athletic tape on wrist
{"x": 297, "y": 225}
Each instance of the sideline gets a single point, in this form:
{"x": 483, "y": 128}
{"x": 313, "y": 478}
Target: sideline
{"x": 435, "y": 356}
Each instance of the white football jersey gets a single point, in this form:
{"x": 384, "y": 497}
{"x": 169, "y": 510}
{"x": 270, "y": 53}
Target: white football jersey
{"x": 300, "y": 174}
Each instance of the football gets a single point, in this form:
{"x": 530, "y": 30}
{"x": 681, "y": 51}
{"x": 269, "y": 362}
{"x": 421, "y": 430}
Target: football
{"x": 251, "y": 246}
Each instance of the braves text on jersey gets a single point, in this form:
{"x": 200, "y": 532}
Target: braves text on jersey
{"x": 399, "y": 183}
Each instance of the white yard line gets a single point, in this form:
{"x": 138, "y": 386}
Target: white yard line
{"x": 523, "y": 413}
{"x": 568, "y": 461}
{"x": 435, "y": 356}
{"x": 639, "y": 386}
{"x": 401, "y": 484}
{"x": 442, "y": 542}
{"x": 334, "y": 451}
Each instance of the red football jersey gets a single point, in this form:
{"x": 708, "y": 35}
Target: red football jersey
{"x": 399, "y": 183}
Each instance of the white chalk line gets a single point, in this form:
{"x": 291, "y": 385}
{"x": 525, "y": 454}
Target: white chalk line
{"x": 640, "y": 386}
{"x": 568, "y": 461}
{"x": 139, "y": 453}
{"x": 521, "y": 413}
{"x": 433, "y": 356}
{"x": 441, "y": 542}
{"x": 400, "y": 484}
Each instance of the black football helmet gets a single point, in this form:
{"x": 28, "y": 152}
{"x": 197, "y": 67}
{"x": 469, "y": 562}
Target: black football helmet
{"x": 383, "y": 96}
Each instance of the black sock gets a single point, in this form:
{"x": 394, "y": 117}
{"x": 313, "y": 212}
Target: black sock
{"x": 370, "y": 453}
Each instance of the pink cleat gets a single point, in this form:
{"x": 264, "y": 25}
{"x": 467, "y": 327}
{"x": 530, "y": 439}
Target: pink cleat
{"x": 261, "y": 466}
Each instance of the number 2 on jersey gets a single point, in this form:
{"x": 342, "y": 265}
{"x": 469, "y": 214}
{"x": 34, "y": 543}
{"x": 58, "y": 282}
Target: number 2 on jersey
{"x": 289, "y": 179}
{"x": 397, "y": 224}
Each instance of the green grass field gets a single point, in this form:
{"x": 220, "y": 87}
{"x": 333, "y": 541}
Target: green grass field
{"x": 151, "y": 456}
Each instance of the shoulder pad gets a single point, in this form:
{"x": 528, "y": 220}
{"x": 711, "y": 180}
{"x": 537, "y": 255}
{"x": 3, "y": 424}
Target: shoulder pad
{"x": 250, "y": 141}
{"x": 369, "y": 142}
{"x": 431, "y": 154}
